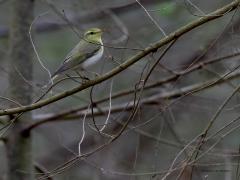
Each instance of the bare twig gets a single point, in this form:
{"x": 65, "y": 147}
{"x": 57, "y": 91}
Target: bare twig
{"x": 83, "y": 132}
{"x": 151, "y": 18}
{"x": 218, "y": 13}
{"x": 34, "y": 47}
{"x": 110, "y": 108}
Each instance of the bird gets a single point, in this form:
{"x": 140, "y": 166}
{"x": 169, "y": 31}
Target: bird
{"x": 87, "y": 52}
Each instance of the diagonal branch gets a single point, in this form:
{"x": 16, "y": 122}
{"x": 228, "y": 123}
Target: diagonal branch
{"x": 119, "y": 94}
{"x": 151, "y": 49}
{"x": 152, "y": 100}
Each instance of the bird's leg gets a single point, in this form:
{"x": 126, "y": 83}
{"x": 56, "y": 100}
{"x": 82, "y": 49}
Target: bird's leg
{"x": 73, "y": 78}
{"x": 82, "y": 76}
{"x": 94, "y": 73}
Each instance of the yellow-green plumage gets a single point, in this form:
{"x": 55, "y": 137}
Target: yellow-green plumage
{"x": 87, "y": 52}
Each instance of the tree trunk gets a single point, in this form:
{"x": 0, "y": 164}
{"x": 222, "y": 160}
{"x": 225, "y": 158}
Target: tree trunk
{"x": 19, "y": 146}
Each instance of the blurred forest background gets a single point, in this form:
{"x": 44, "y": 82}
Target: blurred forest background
{"x": 176, "y": 118}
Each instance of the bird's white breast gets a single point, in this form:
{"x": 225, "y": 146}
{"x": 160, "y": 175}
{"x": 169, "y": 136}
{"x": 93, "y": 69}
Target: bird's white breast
{"x": 92, "y": 60}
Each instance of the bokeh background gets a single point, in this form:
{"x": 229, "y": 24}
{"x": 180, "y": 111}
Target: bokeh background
{"x": 161, "y": 128}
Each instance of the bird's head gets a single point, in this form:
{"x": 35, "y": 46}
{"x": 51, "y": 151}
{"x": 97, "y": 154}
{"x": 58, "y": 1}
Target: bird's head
{"x": 93, "y": 35}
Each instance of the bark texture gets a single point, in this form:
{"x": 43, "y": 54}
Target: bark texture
{"x": 19, "y": 146}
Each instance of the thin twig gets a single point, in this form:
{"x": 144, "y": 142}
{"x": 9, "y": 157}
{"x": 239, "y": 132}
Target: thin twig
{"x": 34, "y": 47}
{"x": 195, "y": 6}
{"x": 83, "y": 131}
{"x": 216, "y": 14}
{"x": 151, "y": 18}
{"x": 110, "y": 108}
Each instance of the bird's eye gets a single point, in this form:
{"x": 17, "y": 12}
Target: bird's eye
{"x": 91, "y": 32}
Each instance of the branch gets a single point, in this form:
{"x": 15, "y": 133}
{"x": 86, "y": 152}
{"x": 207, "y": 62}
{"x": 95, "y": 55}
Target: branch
{"x": 41, "y": 170}
{"x": 59, "y": 169}
{"x": 152, "y": 100}
{"x": 151, "y": 49}
{"x": 149, "y": 86}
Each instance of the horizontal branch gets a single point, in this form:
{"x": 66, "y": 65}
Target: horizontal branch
{"x": 151, "y": 49}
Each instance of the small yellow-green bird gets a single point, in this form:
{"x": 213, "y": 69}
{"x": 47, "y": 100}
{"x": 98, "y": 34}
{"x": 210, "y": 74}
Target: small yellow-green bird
{"x": 88, "y": 51}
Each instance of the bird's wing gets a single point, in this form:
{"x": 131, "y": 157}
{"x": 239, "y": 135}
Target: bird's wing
{"x": 81, "y": 52}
